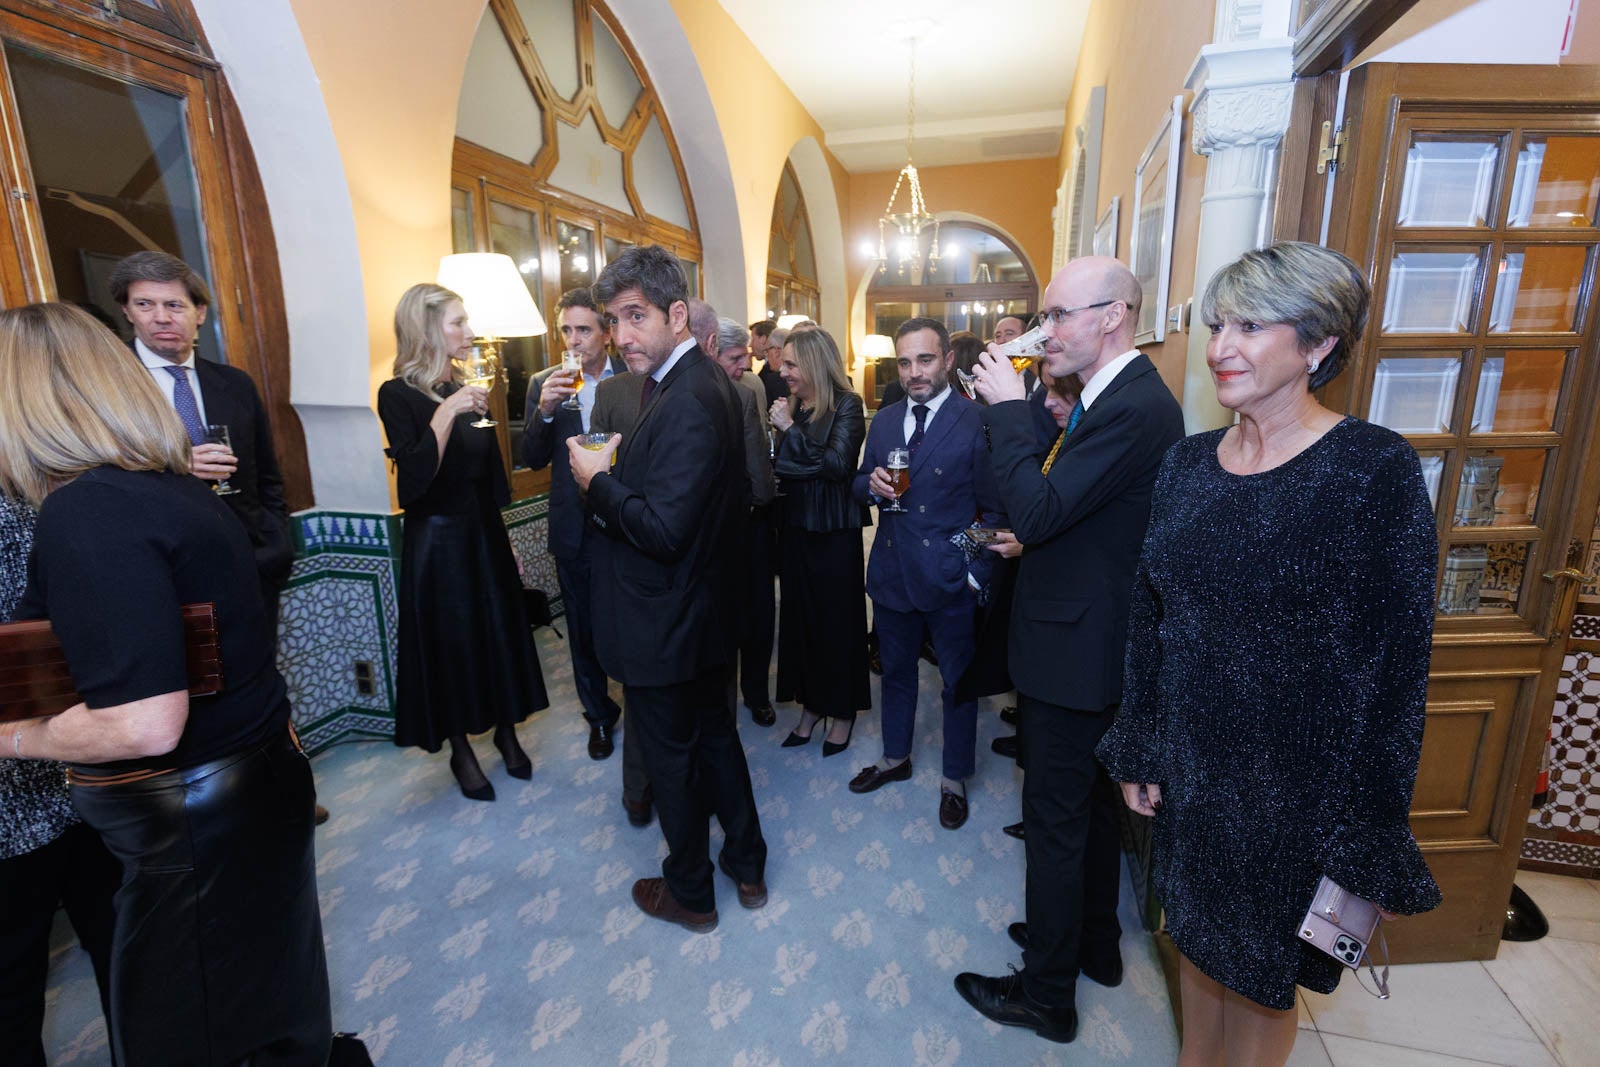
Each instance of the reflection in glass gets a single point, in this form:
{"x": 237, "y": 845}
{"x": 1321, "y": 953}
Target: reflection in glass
{"x": 461, "y": 239}
{"x": 575, "y": 251}
{"x": 691, "y": 275}
{"x": 1518, "y": 390}
{"x": 1500, "y": 487}
{"x": 1415, "y": 394}
{"x": 1483, "y": 579}
{"x": 514, "y": 231}
{"x": 1537, "y": 289}
{"x": 1430, "y": 292}
{"x": 1557, "y": 181}
{"x": 778, "y": 254}
{"x": 1432, "y": 473}
{"x": 614, "y": 248}
{"x": 1448, "y": 179}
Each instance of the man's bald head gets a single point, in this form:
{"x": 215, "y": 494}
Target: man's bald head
{"x": 1007, "y": 329}
{"x": 1106, "y": 298}
{"x": 703, "y": 325}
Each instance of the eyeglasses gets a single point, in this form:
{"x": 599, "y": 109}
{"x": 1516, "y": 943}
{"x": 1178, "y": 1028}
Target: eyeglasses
{"x": 1058, "y": 316}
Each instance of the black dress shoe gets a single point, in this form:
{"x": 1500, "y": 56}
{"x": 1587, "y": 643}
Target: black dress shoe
{"x": 1004, "y": 746}
{"x": 763, "y": 714}
{"x": 952, "y": 810}
{"x": 872, "y": 777}
{"x": 602, "y": 739}
{"x": 1107, "y": 972}
{"x": 1004, "y": 1001}
{"x": 1014, "y": 830}
{"x": 638, "y": 811}
{"x": 874, "y": 662}
{"x": 833, "y": 748}
{"x": 1009, "y": 715}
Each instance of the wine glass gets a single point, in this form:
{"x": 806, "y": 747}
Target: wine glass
{"x": 217, "y": 434}
{"x": 480, "y": 371}
{"x": 899, "y": 467}
{"x": 572, "y": 361}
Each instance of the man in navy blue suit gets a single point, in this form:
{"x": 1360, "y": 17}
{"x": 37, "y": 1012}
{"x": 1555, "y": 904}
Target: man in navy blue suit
{"x": 917, "y": 576}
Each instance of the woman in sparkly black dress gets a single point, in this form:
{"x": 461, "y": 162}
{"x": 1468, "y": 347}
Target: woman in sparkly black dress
{"x": 1277, "y": 658}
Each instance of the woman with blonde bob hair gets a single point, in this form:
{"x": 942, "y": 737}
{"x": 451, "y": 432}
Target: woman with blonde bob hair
{"x": 467, "y": 662}
{"x": 822, "y": 629}
{"x": 209, "y": 814}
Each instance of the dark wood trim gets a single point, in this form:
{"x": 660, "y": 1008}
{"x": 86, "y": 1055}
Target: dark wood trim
{"x": 1297, "y": 212}
{"x": 184, "y": 42}
{"x": 1333, "y": 32}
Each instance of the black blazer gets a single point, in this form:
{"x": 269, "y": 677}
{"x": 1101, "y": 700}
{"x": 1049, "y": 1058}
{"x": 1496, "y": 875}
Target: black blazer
{"x": 1083, "y": 527}
{"x": 671, "y": 513}
{"x": 231, "y": 399}
{"x": 544, "y": 444}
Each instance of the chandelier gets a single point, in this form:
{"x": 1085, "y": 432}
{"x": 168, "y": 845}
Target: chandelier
{"x": 907, "y": 225}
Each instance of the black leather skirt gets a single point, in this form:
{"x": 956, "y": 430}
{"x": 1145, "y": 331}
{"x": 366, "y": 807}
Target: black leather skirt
{"x": 217, "y": 954}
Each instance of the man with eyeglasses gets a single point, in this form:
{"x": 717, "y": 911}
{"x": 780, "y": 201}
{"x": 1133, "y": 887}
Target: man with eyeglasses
{"x": 1081, "y": 508}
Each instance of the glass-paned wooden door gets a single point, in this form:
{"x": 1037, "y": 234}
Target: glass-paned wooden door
{"x": 514, "y": 231}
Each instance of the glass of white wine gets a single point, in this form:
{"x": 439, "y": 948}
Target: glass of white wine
{"x": 572, "y": 361}
{"x": 217, "y": 434}
{"x": 481, "y": 371}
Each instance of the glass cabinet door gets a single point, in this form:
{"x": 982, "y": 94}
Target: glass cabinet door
{"x": 514, "y": 231}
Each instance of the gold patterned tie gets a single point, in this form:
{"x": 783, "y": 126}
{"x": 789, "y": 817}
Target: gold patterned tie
{"x": 1072, "y": 422}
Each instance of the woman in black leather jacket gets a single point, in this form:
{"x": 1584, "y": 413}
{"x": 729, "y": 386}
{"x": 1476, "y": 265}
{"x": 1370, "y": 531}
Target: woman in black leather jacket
{"x": 822, "y": 634}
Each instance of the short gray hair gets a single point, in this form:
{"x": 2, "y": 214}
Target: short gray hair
{"x": 779, "y": 337}
{"x": 1318, "y": 291}
{"x": 731, "y": 335}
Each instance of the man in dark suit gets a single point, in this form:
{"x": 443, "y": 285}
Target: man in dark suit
{"x": 666, "y": 581}
{"x": 917, "y": 578}
{"x": 762, "y": 348}
{"x": 166, "y": 302}
{"x": 1080, "y": 510}
{"x": 549, "y": 423}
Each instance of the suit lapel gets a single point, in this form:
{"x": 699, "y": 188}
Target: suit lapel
{"x": 692, "y": 355}
{"x": 213, "y": 392}
{"x": 936, "y": 431}
{"x": 1138, "y": 367}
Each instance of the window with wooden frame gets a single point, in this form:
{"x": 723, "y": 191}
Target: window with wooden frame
{"x": 563, "y": 158}
{"x": 791, "y": 257}
{"x": 123, "y": 137}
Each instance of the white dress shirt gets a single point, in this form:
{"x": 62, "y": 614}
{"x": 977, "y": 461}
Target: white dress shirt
{"x": 1104, "y": 377}
{"x": 158, "y": 364}
{"x": 909, "y": 425}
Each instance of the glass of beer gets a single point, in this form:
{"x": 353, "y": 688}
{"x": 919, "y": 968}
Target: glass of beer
{"x": 899, "y": 467}
{"x": 480, "y": 370}
{"x": 572, "y": 361}
{"x": 594, "y": 442}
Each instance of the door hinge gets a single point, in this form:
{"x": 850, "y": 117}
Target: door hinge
{"x": 1328, "y": 149}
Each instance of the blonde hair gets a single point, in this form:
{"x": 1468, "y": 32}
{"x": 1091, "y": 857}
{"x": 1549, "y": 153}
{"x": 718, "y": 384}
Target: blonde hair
{"x": 420, "y": 358}
{"x": 818, "y": 359}
{"x": 72, "y": 398}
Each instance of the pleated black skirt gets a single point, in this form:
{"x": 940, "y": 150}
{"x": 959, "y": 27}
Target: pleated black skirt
{"x": 822, "y": 622}
{"x": 467, "y": 662}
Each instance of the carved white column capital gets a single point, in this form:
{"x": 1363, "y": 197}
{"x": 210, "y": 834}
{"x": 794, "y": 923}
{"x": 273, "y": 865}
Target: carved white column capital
{"x": 1243, "y": 94}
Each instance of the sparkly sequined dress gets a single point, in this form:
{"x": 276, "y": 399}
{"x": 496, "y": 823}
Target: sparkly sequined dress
{"x": 1276, "y": 671}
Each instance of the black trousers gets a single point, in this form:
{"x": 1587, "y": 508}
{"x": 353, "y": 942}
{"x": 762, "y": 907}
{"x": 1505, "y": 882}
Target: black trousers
{"x": 588, "y": 677}
{"x": 74, "y": 872}
{"x": 761, "y": 605}
{"x": 692, "y": 753}
{"x": 1070, "y": 817}
{"x": 217, "y": 955}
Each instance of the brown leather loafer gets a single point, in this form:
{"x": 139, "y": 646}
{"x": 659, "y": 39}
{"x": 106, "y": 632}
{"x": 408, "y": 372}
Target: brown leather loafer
{"x": 952, "y": 810}
{"x": 872, "y": 778}
{"x": 657, "y": 901}
{"x": 638, "y": 811}
{"x": 752, "y": 895}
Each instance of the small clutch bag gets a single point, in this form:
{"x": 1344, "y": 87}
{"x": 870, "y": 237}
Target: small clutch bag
{"x": 1344, "y": 925}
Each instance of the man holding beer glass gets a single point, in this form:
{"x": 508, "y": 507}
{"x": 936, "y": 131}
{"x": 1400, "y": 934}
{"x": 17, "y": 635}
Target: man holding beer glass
{"x": 927, "y": 467}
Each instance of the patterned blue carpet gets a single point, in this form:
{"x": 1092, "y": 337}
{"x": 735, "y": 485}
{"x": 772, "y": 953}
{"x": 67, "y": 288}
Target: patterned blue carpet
{"x": 468, "y": 934}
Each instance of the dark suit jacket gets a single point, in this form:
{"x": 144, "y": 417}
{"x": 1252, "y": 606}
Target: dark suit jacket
{"x": 671, "y": 512}
{"x": 231, "y": 399}
{"x": 913, "y": 566}
{"x": 772, "y": 382}
{"x": 544, "y": 444}
{"x": 1082, "y": 526}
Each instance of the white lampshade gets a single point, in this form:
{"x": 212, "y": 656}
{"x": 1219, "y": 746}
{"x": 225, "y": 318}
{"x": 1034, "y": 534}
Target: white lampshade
{"x": 875, "y": 346}
{"x": 789, "y": 322}
{"x": 497, "y": 300}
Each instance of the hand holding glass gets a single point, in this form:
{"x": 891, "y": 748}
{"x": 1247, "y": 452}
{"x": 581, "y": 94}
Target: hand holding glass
{"x": 481, "y": 371}
{"x": 217, "y": 434}
{"x": 572, "y": 361}
{"x": 898, "y": 464}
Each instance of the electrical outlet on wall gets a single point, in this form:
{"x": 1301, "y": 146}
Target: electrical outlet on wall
{"x": 365, "y": 684}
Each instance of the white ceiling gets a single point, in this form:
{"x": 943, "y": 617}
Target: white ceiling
{"x": 992, "y": 76}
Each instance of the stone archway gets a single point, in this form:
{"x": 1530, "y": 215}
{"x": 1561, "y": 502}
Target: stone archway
{"x": 827, "y": 232}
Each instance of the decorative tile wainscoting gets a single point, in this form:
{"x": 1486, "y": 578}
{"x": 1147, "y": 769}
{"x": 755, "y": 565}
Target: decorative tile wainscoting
{"x": 1564, "y": 836}
{"x": 337, "y": 624}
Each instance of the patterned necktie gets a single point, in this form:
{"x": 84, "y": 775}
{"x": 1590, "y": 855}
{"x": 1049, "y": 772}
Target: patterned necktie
{"x": 645, "y": 394}
{"x": 183, "y": 400}
{"x": 920, "y": 413}
{"x": 1072, "y": 424}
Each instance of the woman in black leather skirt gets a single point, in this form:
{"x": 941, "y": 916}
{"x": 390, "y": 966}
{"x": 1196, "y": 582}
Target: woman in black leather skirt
{"x": 207, "y": 803}
{"x": 822, "y": 618}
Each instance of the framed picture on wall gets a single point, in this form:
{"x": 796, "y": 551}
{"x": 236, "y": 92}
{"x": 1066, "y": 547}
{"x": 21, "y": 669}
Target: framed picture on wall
{"x": 1155, "y": 202}
{"x": 1105, "y": 231}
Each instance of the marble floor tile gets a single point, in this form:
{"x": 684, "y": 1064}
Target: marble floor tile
{"x": 1308, "y": 1051}
{"x": 1304, "y": 1013}
{"x": 1353, "y": 1052}
{"x": 1571, "y": 904}
{"x": 1450, "y": 1008}
{"x": 1555, "y": 984}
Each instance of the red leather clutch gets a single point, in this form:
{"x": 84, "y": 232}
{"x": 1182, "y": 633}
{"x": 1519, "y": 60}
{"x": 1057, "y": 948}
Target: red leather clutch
{"x": 34, "y": 680}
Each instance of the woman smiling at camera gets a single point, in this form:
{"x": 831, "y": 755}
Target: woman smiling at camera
{"x": 1277, "y": 658}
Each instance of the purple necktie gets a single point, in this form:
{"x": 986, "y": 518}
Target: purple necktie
{"x": 183, "y": 400}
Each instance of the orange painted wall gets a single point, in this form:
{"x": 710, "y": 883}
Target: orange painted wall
{"x": 1141, "y": 51}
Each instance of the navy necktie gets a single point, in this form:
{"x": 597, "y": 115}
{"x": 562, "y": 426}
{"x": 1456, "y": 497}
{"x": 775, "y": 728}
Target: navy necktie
{"x": 188, "y": 410}
{"x": 920, "y": 413}
{"x": 645, "y": 394}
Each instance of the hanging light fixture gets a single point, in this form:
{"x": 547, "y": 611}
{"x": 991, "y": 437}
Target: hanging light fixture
{"x": 906, "y": 226}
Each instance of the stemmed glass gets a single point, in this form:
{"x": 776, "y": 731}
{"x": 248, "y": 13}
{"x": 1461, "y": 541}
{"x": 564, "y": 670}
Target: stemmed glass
{"x": 572, "y": 361}
{"x": 480, "y": 371}
{"x": 217, "y": 434}
{"x": 899, "y": 467}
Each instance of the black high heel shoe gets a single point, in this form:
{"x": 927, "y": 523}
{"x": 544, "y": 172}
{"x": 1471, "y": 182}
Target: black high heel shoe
{"x": 469, "y": 776}
{"x": 517, "y": 763}
{"x": 830, "y": 748}
{"x": 796, "y": 738}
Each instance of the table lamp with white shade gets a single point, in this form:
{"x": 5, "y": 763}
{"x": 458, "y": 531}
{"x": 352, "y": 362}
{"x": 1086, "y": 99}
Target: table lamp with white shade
{"x": 497, "y": 301}
{"x": 875, "y": 346}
